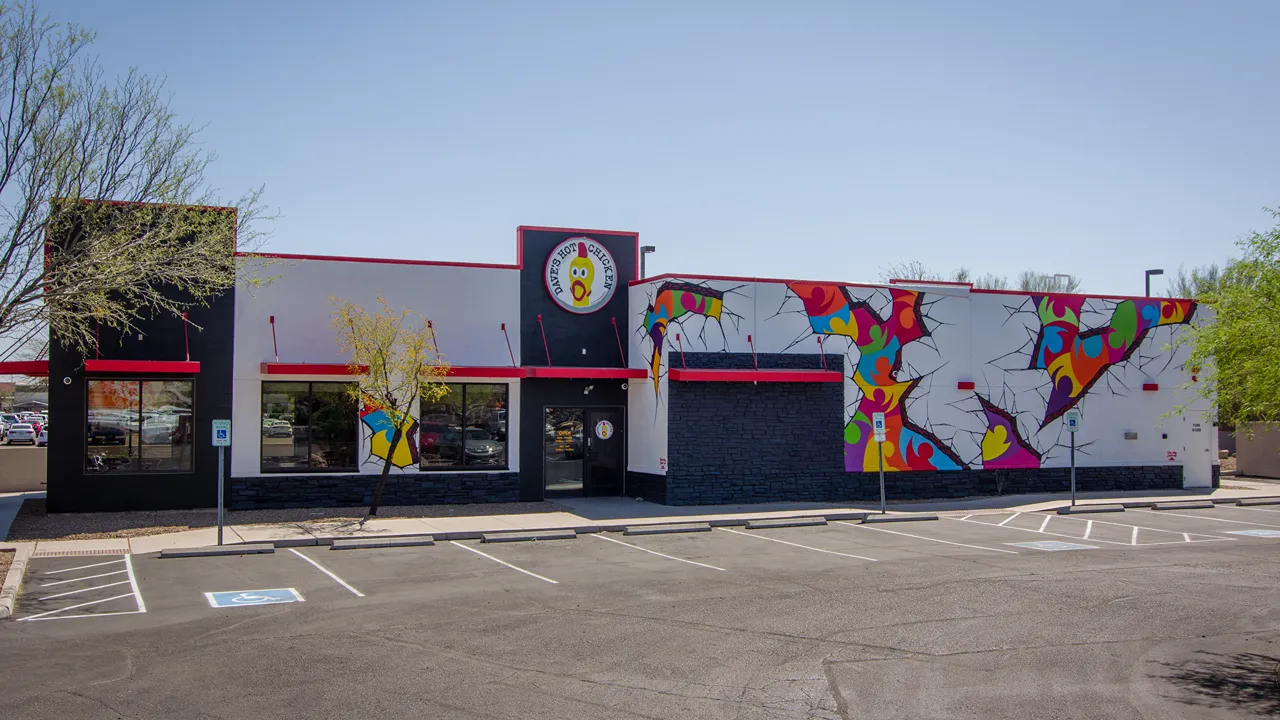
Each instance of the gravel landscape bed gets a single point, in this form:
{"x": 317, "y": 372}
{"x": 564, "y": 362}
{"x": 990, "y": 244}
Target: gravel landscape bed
{"x": 6, "y": 559}
{"x": 35, "y": 523}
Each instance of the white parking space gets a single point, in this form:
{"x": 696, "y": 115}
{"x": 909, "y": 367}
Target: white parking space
{"x": 1095, "y": 530}
{"x": 517, "y": 568}
{"x": 69, "y": 588}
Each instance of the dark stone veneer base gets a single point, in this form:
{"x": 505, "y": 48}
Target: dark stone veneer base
{"x": 291, "y": 491}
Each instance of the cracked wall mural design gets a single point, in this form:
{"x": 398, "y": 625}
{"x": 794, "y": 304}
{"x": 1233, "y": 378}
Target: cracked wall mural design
{"x": 379, "y": 424}
{"x": 880, "y": 343}
{"x": 672, "y": 304}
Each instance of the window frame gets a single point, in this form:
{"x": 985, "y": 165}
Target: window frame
{"x": 309, "y": 469}
{"x": 136, "y": 468}
{"x": 463, "y": 407}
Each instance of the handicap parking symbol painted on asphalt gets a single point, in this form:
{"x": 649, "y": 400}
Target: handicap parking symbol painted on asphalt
{"x": 241, "y": 598}
{"x": 1052, "y": 545}
{"x": 1256, "y": 533}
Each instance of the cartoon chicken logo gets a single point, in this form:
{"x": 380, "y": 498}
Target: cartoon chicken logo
{"x": 581, "y": 273}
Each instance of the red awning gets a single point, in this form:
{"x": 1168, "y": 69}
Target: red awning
{"x": 479, "y": 371}
{"x": 185, "y": 367}
{"x": 587, "y": 373}
{"x": 33, "y": 368}
{"x": 680, "y": 375}
{"x": 311, "y": 369}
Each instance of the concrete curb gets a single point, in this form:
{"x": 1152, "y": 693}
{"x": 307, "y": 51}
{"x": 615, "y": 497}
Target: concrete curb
{"x": 366, "y": 543}
{"x": 527, "y": 536}
{"x": 1185, "y": 505}
{"x": 872, "y": 519}
{"x": 1245, "y": 502}
{"x": 667, "y": 529}
{"x": 218, "y": 550}
{"x": 1084, "y": 509}
{"x": 772, "y": 523}
{"x": 13, "y": 579}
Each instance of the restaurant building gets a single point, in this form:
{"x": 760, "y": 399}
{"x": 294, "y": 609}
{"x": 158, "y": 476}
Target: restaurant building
{"x": 570, "y": 375}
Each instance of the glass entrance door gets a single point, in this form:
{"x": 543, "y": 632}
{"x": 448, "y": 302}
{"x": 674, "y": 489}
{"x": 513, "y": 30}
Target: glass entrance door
{"x": 563, "y": 451}
{"x": 583, "y": 451}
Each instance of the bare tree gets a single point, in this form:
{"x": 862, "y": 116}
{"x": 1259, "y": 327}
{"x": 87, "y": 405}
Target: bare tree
{"x": 71, "y": 140}
{"x": 1195, "y": 284}
{"x": 916, "y": 270}
{"x": 1038, "y": 282}
{"x": 394, "y": 352}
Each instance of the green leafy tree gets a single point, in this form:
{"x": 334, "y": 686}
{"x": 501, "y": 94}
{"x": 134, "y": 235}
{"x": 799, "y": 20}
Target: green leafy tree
{"x": 108, "y": 172}
{"x": 394, "y": 352}
{"x": 1233, "y": 343}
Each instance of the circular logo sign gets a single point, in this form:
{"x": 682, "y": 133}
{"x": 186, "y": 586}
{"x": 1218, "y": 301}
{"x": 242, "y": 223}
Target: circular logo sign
{"x": 581, "y": 275}
{"x": 604, "y": 429}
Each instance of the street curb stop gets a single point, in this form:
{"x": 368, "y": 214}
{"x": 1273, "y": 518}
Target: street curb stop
{"x": 366, "y": 543}
{"x": 527, "y": 536}
{"x": 219, "y": 550}
{"x": 13, "y": 579}
{"x": 773, "y": 523}
{"x": 872, "y": 519}
{"x": 1185, "y": 505}
{"x": 1084, "y": 509}
{"x": 667, "y": 529}
{"x": 1245, "y": 502}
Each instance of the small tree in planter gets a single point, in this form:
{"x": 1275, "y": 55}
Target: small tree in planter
{"x": 395, "y": 355}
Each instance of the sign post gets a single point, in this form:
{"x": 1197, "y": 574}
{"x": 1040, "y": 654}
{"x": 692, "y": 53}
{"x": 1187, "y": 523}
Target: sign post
{"x": 877, "y": 426}
{"x": 1072, "y": 421}
{"x": 222, "y": 441}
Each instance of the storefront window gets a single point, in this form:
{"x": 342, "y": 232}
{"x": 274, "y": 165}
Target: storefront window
{"x": 465, "y": 429}
{"x": 309, "y": 427}
{"x": 139, "y": 426}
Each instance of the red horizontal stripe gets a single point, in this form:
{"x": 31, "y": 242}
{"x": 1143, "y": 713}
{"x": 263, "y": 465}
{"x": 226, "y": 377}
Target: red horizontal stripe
{"x": 474, "y": 371}
{"x": 587, "y": 373}
{"x": 142, "y": 366}
{"x": 311, "y": 369}
{"x": 1150, "y": 387}
{"x": 965, "y": 385}
{"x": 755, "y": 375}
{"x": 34, "y": 368}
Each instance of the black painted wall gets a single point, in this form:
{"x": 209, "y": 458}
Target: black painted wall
{"x": 70, "y": 488}
{"x": 536, "y": 394}
{"x": 291, "y": 491}
{"x": 574, "y": 340}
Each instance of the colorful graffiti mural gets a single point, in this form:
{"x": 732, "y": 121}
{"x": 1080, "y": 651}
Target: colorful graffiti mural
{"x": 880, "y": 341}
{"x": 672, "y": 302}
{"x": 1075, "y": 360}
{"x": 1003, "y": 447}
{"x": 381, "y": 424}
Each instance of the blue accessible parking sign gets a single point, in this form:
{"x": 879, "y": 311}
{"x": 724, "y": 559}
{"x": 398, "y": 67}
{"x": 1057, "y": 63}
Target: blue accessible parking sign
{"x": 241, "y": 598}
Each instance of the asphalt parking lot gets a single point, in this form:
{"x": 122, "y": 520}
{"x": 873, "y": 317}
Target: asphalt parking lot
{"x": 1139, "y": 614}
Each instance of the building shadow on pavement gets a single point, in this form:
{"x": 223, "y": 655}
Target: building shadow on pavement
{"x": 1241, "y": 681}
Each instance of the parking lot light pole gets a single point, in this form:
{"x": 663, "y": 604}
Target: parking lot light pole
{"x": 1149, "y": 273}
{"x": 645, "y": 250}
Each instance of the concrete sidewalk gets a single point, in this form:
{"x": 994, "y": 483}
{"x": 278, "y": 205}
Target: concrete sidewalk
{"x": 595, "y": 514}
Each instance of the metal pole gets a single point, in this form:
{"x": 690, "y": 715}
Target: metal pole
{"x": 220, "y": 499}
{"x": 1073, "y": 469}
{"x": 642, "y": 254}
{"x": 880, "y": 452}
{"x": 1148, "y": 290}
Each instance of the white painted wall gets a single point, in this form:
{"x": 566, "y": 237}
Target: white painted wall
{"x": 466, "y": 306}
{"x": 985, "y": 338}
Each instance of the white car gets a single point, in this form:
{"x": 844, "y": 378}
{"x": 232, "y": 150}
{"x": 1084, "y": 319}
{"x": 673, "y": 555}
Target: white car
{"x": 42, "y": 440}
{"x": 21, "y": 433}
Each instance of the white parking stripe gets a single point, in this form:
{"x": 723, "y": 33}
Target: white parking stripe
{"x": 806, "y": 547}
{"x": 1202, "y": 517}
{"x": 133, "y": 582}
{"x": 1002, "y": 522}
{"x": 1186, "y": 537}
{"x": 655, "y": 552}
{"x": 74, "y": 607}
{"x": 87, "y": 577}
{"x": 74, "y": 592}
{"x": 82, "y": 567}
{"x": 922, "y": 537}
{"x": 1088, "y": 529}
{"x": 1046, "y": 532}
{"x": 1045, "y": 524}
{"x": 504, "y": 562}
{"x": 326, "y": 571}
{"x": 1134, "y": 539}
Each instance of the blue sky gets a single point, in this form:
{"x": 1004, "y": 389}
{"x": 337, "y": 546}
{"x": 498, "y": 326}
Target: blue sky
{"x": 817, "y": 140}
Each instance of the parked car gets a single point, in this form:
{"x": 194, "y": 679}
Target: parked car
{"x": 479, "y": 447}
{"x": 21, "y": 433}
{"x": 276, "y": 428}
{"x": 42, "y": 438}
{"x": 105, "y": 434}
{"x": 156, "y": 432}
